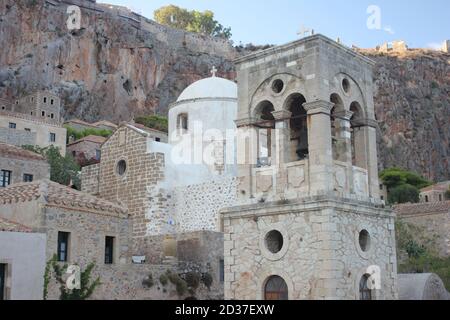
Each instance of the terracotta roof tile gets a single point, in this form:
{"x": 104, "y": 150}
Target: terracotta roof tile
{"x": 422, "y": 208}
{"x": 58, "y": 195}
{"x": 90, "y": 138}
{"x": 443, "y": 186}
{"x": 10, "y": 151}
{"x": 10, "y": 226}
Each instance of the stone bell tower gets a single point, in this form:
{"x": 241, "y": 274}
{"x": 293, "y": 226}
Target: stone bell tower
{"x": 310, "y": 224}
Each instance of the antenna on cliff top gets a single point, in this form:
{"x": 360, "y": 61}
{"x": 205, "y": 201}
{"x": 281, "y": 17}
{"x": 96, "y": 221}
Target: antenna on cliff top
{"x": 214, "y": 71}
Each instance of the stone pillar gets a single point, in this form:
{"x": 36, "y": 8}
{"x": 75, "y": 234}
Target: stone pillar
{"x": 282, "y": 136}
{"x": 247, "y": 155}
{"x": 345, "y": 144}
{"x": 282, "y": 145}
{"x": 372, "y": 159}
{"x": 320, "y": 148}
{"x": 344, "y": 136}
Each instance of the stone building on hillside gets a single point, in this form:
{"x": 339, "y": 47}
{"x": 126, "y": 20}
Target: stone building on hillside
{"x": 86, "y": 150}
{"x": 22, "y": 262}
{"x": 18, "y": 165}
{"x": 310, "y": 224}
{"x": 33, "y": 120}
{"x": 435, "y": 193}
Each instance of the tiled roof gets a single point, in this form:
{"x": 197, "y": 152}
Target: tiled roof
{"x": 10, "y": 151}
{"x": 422, "y": 208}
{"x": 442, "y": 186}
{"x": 58, "y": 195}
{"x": 105, "y": 123}
{"x": 90, "y": 138}
{"x": 9, "y": 226}
{"x": 147, "y": 129}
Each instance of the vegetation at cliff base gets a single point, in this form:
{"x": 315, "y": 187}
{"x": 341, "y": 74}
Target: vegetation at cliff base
{"x": 192, "y": 21}
{"x": 79, "y": 134}
{"x": 416, "y": 252}
{"x": 154, "y": 122}
{"x": 403, "y": 186}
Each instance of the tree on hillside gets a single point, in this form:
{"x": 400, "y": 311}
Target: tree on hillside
{"x": 192, "y": 21}
{"x": 403, "y": 186}
{"x": 63, "y": 170}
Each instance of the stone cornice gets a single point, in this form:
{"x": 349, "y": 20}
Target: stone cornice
{"x": 245, "y": 122}
{"x": 344, "y": 115}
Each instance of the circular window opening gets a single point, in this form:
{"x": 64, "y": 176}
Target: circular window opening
{"x": 277, "y": 86}
{"x": 364, "y": 240}
{"x": 121, "y": 167}
{"x": 274, "y": 241}
{"x": 346, "y": 85}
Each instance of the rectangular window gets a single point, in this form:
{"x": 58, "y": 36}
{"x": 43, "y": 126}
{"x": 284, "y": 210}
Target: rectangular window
{"x": 43, "y": 113}
{"x": 12, "y": 125}
{"x": 5, "y": 178}
{"x": 27, "y": 129}
{"x": 52, "y": 137}
{"x": 109, "y": 250}
{"x": 158, "y": 139}
{"x": 222, "y": 271}
{"x": 426, "y": 198}
{"x": 63, "y": 246}
{"x": 45, "y": 99}
{"x": 27, "y": 177}
{"x": 2, "y": 281}
{"x": 440, "y": 197}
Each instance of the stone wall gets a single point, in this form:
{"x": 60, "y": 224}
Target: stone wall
{"x": 40, "y": 169}
{"x": 197, "y": 206}
{"x": 320, "y": 258}
{"x": 436, "y": 226}
{"x": 90, "y": 179}
{"x": 17, "y": 137}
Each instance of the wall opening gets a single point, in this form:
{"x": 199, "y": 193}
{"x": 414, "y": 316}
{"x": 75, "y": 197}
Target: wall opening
{"x": 265, "y": 129}
{"x": 337, "y": 140}
{"x": 357, "y": 136}
{"x": 365, "y": 293}
{"x": 276, "y": 289}
{"x": 299, "y": 148}
{"x": 274, "y": 241}
{"x": 277, "y": 86}
{"x": 121, "y": 167}
{"x": 364, "y": 240}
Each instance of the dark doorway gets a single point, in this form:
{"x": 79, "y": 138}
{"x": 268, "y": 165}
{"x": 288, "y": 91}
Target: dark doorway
{"x": 276, "y": 289}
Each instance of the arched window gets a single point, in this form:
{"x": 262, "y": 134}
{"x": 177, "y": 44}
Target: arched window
{"x": 299, "y": 148}
{"x": 357, "y": 136}
{"x": 276, "y": 289}
{"x": 338, "y": 143}
{"x": 265, "y": 126}
{"x": 182, "y": 123}
{"x": 365, "y": 293}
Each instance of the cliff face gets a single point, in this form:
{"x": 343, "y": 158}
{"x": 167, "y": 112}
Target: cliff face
{"x": 118, "y": 65}
{"x": 121, "y": 65}
{"x": 412, "y": 105}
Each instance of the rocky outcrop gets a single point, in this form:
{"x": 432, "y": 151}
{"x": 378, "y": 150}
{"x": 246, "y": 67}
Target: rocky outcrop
{"x": 121, "y": 65}
{"x": 412, "y": 105}
{"x": 117, "y": 66}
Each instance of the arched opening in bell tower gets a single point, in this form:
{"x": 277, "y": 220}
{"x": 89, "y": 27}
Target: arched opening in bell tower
{"x": 299, "y": 148}
{"x": 265, "y": 129}
{"x": 338, "y": 143}
{"x": 357, "y": 136}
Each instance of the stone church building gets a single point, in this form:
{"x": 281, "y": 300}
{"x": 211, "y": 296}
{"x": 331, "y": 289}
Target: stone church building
{"x": 268, "y": 188}
{"x": 280, "y": 171}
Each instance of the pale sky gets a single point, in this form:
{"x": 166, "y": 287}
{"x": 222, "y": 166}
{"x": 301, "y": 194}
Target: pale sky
{"x": 420, "y": 23}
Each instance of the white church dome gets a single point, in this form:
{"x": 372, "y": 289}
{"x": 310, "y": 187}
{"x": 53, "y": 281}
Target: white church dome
{"x": 213, "y": 87}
